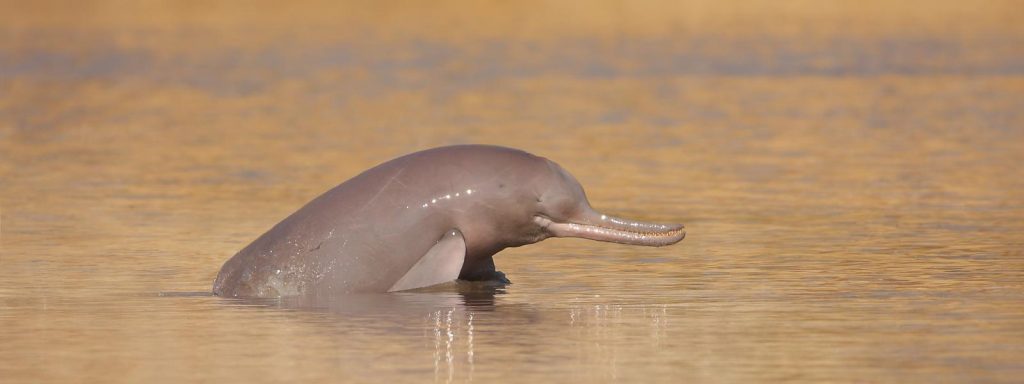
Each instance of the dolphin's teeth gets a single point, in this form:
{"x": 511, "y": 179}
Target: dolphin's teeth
{"x": 640, "y": 234}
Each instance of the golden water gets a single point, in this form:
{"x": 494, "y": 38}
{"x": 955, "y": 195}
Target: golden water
{"x": 850, "y": 177}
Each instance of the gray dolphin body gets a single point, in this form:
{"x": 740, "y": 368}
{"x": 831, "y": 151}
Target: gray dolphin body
{"x": 422, "y": 219}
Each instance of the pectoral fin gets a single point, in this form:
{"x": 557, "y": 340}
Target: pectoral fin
{"x": 441, "y": 264}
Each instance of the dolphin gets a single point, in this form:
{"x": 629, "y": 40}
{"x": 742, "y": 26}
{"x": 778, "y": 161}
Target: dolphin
{"x": 422, "y": 219}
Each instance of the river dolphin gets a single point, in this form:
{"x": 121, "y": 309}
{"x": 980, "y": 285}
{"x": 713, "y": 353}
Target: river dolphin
{"x": 422, "y": 219}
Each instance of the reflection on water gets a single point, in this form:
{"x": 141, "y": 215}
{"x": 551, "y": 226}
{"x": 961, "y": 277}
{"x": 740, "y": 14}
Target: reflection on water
{"x": 454, "y": 350}
{"x": 476, "y": 295}
{"x": 849, "y": 175}
{"x": 444, "y": 344}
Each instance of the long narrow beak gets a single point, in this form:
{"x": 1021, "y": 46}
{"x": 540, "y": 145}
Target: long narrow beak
{"x": 593, "y": 225}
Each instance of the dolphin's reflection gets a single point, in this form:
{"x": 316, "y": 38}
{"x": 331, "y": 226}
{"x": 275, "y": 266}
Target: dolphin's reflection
{"x": 451, "y": 328}
{"x": 446, "y": 325}
{"x": 475, "y": 296}
{"x": 446, "y": 314}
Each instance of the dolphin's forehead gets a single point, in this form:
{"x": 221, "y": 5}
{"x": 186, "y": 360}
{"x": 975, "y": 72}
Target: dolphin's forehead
{"x": 563, "y": 179}
{"x": 457, "y": 175}
{"x": 484, "y": 156}
{"x": 477, "y": 151}
{"x": 477, "y": 161}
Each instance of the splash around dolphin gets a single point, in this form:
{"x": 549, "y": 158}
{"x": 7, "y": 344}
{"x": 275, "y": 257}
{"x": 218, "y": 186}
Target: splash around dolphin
{"x": 422, "y": 219}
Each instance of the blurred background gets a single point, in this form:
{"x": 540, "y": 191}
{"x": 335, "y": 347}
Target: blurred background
{"x": 849, "y": 173}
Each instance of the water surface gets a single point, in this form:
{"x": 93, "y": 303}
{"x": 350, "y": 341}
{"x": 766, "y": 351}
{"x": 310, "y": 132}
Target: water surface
{"x": 850, "y": 177}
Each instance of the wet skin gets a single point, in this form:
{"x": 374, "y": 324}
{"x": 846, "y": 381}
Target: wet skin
{"x": 423, "y": 219}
